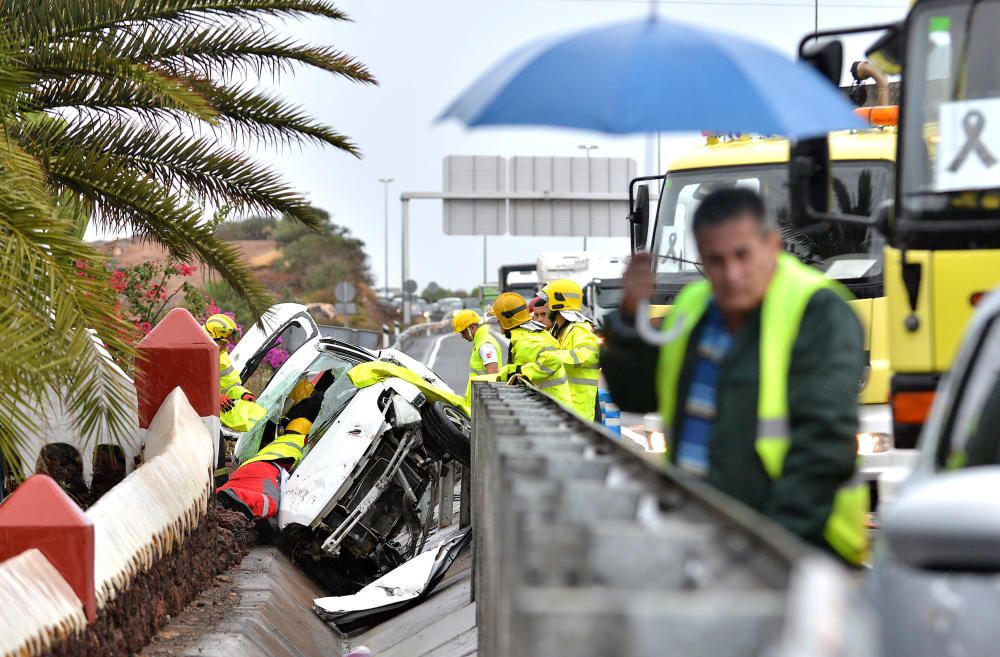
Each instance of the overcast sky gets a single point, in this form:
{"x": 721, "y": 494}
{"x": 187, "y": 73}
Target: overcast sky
{"x": 424, "y": 54}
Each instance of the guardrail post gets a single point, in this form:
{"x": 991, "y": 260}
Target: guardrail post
{"x": 178, "y": 353}
{"x": 40, "y": 515}
{"x": 447, "y": 496}
{"x": 465, "y": 507}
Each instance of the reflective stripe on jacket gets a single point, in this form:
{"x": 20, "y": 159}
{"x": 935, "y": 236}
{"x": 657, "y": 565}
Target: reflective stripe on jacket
{"x": 579, "y": 352}
{"x": 790, "y": 290}
{"x": 258, "y": 486}
{"x": 535, "y": 352}
{"x": 482, "y": 336}
{"x": 229, "y": 379}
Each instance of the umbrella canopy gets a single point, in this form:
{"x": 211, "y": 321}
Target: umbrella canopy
{"x": 655, "y": 75}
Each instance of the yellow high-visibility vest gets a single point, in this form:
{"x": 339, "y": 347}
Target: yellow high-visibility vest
{"x": 793, "y": 285}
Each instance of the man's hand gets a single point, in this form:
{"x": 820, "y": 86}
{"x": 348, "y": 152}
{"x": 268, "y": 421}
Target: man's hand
{"x": 248, "y": 396}
{"x": 638, "y": 283}
{"x": 225, "y": 403}
{"x": 514, "y": 374}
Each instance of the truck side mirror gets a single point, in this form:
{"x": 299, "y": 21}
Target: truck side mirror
{"x": 827, "y": 57}
{"x": 639, "y": 219}
{"x": 809, "y": 181}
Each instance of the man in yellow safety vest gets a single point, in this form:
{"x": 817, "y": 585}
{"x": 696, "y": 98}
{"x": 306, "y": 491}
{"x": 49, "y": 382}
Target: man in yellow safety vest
{"x": 485, "y": 358}
{"x": 578, "y": 346}
{"x": 532, "y": 349}
{"x": 757, "y": 381}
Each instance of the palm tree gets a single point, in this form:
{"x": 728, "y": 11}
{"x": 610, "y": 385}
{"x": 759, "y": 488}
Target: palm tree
{"x": 124, "y": 113}
{"x": 129, "y": 106}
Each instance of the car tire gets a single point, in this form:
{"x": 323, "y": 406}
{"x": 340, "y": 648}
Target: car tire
{"x": 447, "y": 432}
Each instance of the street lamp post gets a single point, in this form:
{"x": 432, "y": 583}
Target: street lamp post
{"x": 385, "y": 186}
{"x": 588, "y": 149}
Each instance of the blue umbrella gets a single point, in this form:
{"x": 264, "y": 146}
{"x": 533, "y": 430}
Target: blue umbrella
{"x": 655, "y": 75}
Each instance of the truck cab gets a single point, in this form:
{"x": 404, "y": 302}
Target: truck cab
{"x": 942, "y": 229}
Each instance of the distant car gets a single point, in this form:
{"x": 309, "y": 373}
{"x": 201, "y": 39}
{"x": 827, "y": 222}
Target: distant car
{"x": 445, "y": 308}
{"x": 934, "y": 578}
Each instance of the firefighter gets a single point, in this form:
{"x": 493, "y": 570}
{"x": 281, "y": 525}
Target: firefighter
{"x": 578, "y": 346}
{"x": 255, "y": 488}
{"x": 235, "y": 415}
{"x": 485, "y": 358}
{"x": 540, "y": 313}
{"x": 532, "y": 353}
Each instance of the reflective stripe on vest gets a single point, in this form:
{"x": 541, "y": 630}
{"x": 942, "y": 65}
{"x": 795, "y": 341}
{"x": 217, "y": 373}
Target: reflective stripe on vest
{"x": 229, "y": 380}
{"x": 788, "y": 294}
{"x": 288, "y": 446}
{"x": 527, "y": 350}
{"x": 481, "y": 337}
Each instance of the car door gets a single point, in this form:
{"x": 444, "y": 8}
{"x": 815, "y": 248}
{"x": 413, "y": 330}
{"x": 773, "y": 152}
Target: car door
{"x": 288, "y": 325}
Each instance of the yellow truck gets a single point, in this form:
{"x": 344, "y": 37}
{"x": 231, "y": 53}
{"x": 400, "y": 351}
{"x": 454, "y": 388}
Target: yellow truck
{"x": 942, "y": 230}
{"x": 863, "y": 172}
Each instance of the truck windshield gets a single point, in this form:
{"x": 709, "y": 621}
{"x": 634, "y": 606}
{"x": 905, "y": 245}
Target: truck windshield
{"x": 952, "y": 116}
{"x": 857, "y": 188}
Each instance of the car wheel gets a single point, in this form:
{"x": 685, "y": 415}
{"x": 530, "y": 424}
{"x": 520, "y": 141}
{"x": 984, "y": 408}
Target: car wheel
{"x": 447, "y": 431}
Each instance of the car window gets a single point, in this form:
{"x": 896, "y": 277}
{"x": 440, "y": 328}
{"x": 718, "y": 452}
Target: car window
{"x": 335, "y": 400}
{"x": 975, "y": 430}
{"x": 305, "y": 364}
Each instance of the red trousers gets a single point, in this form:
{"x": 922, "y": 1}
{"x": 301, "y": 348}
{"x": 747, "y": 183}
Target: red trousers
{"x": 258, "y": 486}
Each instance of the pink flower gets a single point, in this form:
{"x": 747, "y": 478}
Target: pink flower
{"x": 145, "y": 327}
{"x": 276, "y": 357}
{"x": 186, "y": 269}
{"x": 119, "y": 281}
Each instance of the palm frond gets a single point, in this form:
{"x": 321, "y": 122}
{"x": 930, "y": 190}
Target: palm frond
{"x": 48, "y": 308}
{"x": 218, "y": 51}
{"x": 190, "y": 167}
{"x": 131, "y": 203}
{"x": 264, "y": 117}
{"x": 67, "y": 19}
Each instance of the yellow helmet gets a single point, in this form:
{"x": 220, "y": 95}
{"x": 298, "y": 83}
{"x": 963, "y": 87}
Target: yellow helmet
{"x": 562, "y": 294}
{"x": 220, "y": 327}
{"x": 511, "y": 310}
{"x": 299, "y": 425}
{"x": 302, "y": 390}
{"x": 463, "y": 319}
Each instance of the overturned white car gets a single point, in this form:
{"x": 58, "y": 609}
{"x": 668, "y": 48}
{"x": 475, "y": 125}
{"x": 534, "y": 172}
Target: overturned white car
{"x": 363, "y": 499}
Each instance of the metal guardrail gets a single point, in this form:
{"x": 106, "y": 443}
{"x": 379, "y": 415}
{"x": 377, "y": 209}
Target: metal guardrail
{"x": 358, "y": 337}
{"x": 584, "y": 548}
{"x": 405, "y": 339}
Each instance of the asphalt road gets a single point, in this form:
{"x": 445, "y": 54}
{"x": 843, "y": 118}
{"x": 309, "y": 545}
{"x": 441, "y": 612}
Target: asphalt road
{"x": 448, "y": 356}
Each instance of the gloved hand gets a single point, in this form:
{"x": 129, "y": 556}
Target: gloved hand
{"x": 514, "y": 374}
{"x": 248, "y": 396}
{"x": 225, "y": 403}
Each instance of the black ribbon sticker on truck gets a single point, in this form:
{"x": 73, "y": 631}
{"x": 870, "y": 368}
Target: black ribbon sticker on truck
{"x": 973, "y": 124}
